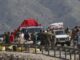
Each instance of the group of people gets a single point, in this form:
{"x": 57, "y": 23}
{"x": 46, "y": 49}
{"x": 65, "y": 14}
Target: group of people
{"x": 8, "y": 38}
{"x": 45, "y": 37}
{"x": 74, "y": 34}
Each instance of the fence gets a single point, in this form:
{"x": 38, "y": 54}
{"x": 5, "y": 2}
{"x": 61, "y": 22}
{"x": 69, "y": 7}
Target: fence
{"x": 65, "y": 53}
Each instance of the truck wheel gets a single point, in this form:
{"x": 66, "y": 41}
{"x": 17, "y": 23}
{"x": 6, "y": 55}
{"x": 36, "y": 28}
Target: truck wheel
{"x": 68, "y": 43}
{"x": 62, "y": 44}
{"x": 56, "y": 44}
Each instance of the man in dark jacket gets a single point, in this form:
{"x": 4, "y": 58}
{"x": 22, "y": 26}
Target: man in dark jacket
{"x": 26, "y": 36}
{"x": 6, "y": 37}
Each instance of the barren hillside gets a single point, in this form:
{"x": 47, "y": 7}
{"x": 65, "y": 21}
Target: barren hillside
{"x": 13, "y": 12}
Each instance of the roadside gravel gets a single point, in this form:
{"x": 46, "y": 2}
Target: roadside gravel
{"x": 24, "y": 56}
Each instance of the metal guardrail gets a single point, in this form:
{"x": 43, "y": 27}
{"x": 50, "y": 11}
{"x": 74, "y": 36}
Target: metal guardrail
{"x": 57, "y": 51}
{"x": 68, "y": 52}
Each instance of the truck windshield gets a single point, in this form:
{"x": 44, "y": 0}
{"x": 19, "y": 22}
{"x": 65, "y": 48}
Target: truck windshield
{"x": 31, "y": 30}
{"x": 59, "y": 32}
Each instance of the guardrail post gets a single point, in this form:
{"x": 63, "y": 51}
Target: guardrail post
{"x": 35, "y": 48}
{"x": 70, "y": 55}
{"x": 60, "y": 52}
{"x": 65, "y": 53}
{"x": 74, "y": 54}
{"x": 21, "y": 47}
{"x": 79, "y": 54}
{"x": 54, "y": 52}
{"x": 48, "y": 50}
{"x": 28, "y": 48}
{"x": 41, "y": 49}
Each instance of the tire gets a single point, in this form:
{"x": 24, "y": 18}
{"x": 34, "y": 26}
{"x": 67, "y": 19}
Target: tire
{"x": 68, "y": 43}
{"x": 62, "y": 44}
{"x": 56, "y": 44}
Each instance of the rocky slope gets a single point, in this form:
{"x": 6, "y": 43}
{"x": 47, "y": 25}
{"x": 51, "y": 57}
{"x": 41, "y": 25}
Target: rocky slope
{"x": 13, "y": 12}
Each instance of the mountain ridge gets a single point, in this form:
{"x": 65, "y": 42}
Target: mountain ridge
{"x": 13, "y": 12}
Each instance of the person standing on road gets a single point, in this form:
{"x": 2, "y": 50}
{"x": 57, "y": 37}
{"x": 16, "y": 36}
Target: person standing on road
{"x": 11, "y": 37}
{"x": 33, "y": 38}
{"x": 26, "y": 36}
{"x": 21, "y": 38}
{"x": 41, "y": 37}
{"x": 6, "y": 38}
{"x": 74, "y": 36}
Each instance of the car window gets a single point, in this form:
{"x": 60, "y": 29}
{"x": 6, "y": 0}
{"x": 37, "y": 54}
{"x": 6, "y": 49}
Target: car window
{"x": 59, "y": 32}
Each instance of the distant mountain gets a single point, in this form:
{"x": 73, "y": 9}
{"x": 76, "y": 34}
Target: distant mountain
{"x": 13, "y": 12}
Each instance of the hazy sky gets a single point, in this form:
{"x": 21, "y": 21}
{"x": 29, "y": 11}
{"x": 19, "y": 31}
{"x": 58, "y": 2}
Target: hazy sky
{"x": 13, "y": 12}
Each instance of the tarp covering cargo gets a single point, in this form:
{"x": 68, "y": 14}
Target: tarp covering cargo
{"x": 58, "y": 25}
{"x": 29, "y": 22}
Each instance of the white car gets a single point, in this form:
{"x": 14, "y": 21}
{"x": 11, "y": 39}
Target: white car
{"x": 61, "y": 37}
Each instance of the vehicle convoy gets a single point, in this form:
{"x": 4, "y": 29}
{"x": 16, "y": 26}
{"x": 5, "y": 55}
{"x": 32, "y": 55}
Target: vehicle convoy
{"x": 60, "y": 37}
